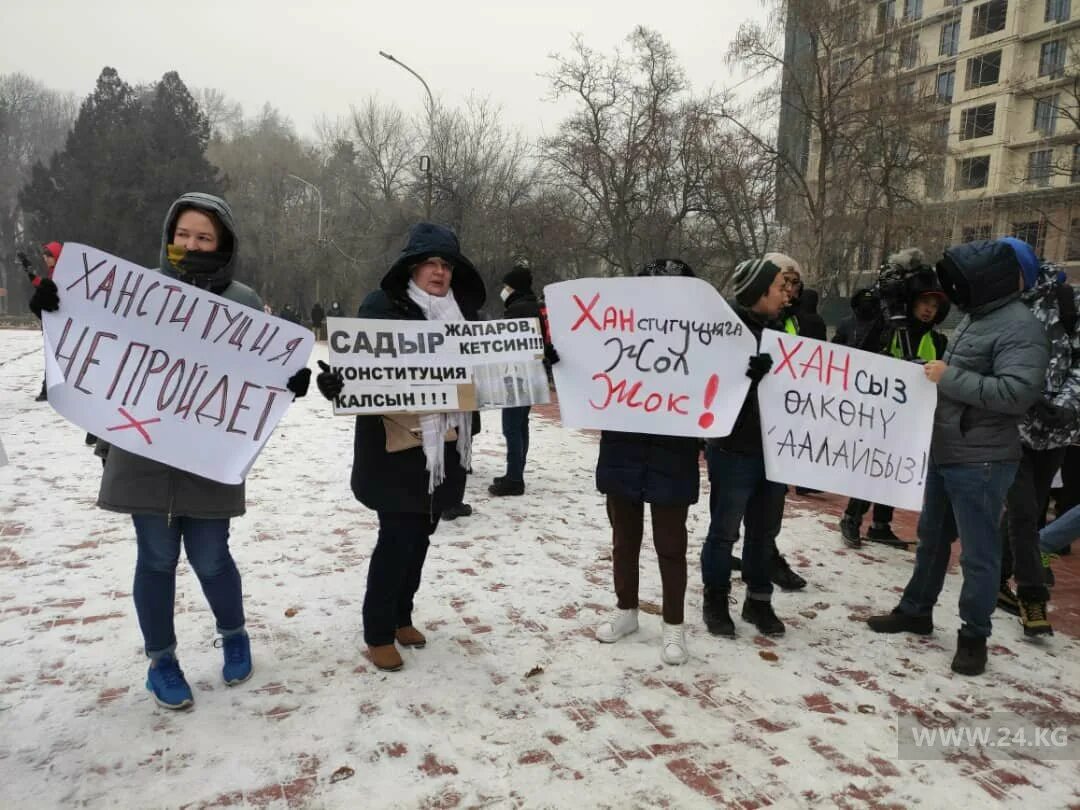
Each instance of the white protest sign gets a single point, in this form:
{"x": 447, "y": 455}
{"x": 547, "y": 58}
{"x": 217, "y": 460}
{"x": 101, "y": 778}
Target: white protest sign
{"x": 401, "y": 366}
{"x": 845, "y": 421}
{"x": 665, "y": 356}
{"x": 3, "y": 454}
{"x": 166, "y": 370}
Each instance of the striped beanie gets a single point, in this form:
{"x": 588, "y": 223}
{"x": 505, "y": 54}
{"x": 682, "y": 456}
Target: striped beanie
{"x": 752, "y": 280}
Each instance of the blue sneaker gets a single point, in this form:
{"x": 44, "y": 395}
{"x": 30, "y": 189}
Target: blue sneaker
{"x": 237, "y": 667}
{"x": 165, "y": 680}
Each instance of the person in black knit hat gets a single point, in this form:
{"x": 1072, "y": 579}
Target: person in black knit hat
{"x": 520, "y": 302}
{"x": 739, "y": 491}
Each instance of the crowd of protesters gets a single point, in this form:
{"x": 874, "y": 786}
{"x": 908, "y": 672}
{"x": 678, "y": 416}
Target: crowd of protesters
{"x": 1008, "y": 410}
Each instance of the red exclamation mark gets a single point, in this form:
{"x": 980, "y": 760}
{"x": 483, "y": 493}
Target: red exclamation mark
{"x": 706, "y": 420}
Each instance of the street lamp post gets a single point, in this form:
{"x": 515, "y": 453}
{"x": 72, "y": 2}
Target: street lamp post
{"x": 318, "y": 232}
{"x": 425, "y": 160}
{"x": 318, "y": 193}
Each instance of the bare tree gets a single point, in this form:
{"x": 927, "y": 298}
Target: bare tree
{"x": 828, "y": 68}
{"x": 225, "y": 115}
{"x": 386, "y": 144}
{"x": 619, "y": 153}
{"x": 738, "y": 200}
{"x": 483, "y": 174}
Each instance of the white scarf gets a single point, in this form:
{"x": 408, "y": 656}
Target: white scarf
{"x": 435, "y": 425}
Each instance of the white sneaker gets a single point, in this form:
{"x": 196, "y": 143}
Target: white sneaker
{"x": 624, "y": 623}
{"x": 673, "y": 650}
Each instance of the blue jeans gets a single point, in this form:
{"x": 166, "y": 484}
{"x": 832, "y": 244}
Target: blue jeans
{"x": 1064, "y": 530}
{"x": 394, "y": 573}
{"x": 740, "y": 492}
{"x": 964, "y": 500}
{"x": 206, "y": 541}
{"x": 515, "y": 426}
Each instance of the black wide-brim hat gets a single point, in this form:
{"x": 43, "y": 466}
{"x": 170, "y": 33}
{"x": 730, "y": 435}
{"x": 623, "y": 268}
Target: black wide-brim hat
{"x": 426, "y": 239}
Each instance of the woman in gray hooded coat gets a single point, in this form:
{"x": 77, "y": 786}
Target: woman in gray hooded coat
{"x": 169, "y": 506}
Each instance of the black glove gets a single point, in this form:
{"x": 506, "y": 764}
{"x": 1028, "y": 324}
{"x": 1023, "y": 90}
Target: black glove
{"x": 758, "y": 366}
{"x": 25, "y": 262}
{"x": 329, "y": 382}
{"x": 298, "y": 383}
{"x": 46, "y": 297}
{"x": 1052, "y": 416}
{"x": 551, "y": 357}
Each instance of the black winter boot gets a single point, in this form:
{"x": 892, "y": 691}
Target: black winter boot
{"x": 783, "y": 577}
{"x": 759, "y": 613}
{"x": 883, "y": 533}
{"x": 716, "y": 614}
{"x": 849, "y": 530}
{"x": 897, "y": 622}
{"x": 970, "y": 658}
{"x": 507, "y": 487}
{"x": 456, "y": 511}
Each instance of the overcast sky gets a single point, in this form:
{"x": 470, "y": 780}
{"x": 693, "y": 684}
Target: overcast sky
{"x": 319, "y": 59}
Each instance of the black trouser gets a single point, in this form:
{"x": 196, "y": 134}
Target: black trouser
{"x": 394, "y": 573}
{"x": 1020, "y": 525}
{"x": 856, "y": 509}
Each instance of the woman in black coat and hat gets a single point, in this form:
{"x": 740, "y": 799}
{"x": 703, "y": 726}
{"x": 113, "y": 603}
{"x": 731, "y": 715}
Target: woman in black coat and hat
{"x": 638, "y": 468}
{"x": 409, "y": 468}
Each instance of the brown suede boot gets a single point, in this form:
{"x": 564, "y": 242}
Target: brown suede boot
{"x": 410, "y": 637}
{"x": 385, "y": 657}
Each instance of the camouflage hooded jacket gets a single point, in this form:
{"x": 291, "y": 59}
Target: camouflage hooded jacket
{"x": 1062, "y": 385}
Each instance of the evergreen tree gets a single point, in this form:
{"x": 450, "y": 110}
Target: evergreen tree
{"x": 130, "y": 153}
{"x": 177, "y": 133}
{"x": 85, "y": 192}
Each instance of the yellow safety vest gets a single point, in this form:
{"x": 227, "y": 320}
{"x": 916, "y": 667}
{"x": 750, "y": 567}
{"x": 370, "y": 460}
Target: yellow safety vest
{"x": 791, "y": 326}
{"x": 927, "y": 350}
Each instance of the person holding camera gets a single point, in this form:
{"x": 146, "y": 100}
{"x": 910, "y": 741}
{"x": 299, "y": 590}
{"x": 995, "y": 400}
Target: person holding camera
{"x": 50, "y": 255}
{"x": 991, "y": 374}
{"x": 1045, "y": 432}
{"x": 865, "y": 326}
{"x": 914, "y": 334}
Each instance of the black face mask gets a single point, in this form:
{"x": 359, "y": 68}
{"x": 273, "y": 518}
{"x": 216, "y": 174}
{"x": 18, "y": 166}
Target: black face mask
{"x": 198, "y": 267}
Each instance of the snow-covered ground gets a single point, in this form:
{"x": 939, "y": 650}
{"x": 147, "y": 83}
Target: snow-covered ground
{"x": 512, "y": 703}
